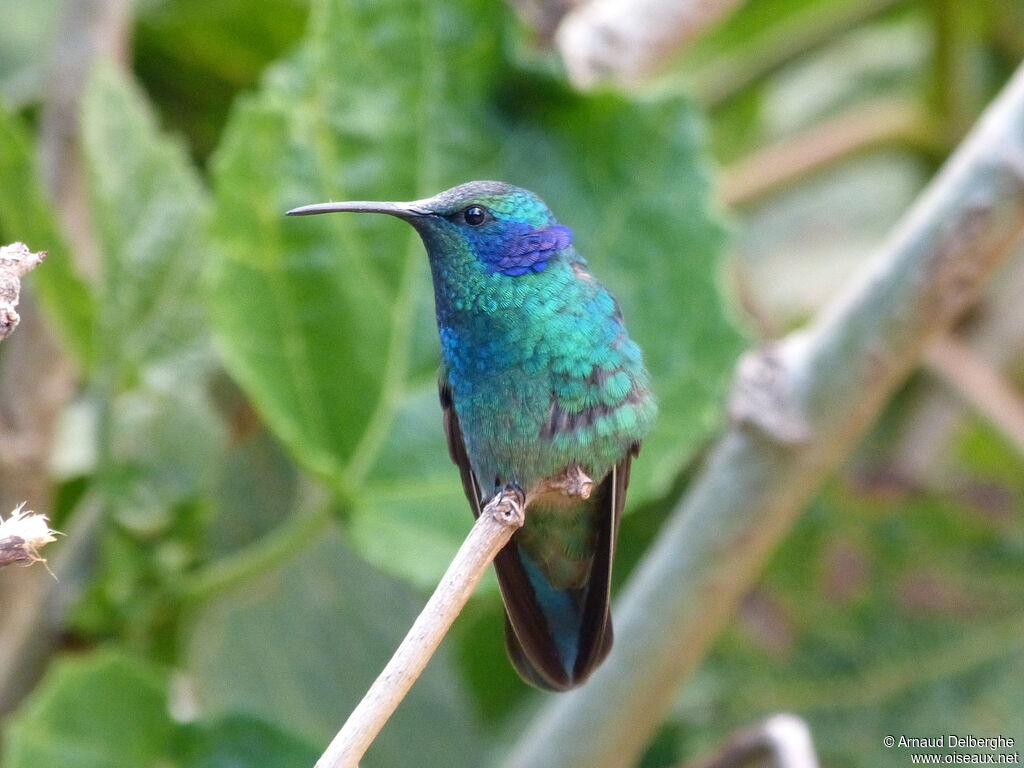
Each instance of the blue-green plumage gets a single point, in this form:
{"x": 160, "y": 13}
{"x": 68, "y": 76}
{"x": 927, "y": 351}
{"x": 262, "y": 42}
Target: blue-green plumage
{"x": 541, "y": 388}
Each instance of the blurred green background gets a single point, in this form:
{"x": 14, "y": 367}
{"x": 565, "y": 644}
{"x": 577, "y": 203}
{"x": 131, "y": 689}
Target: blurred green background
{"x": 232, "y": 415}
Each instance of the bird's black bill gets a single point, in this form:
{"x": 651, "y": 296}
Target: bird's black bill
{"x": 401, "y": 210}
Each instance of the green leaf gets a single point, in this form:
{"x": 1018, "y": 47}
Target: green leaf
{"x": 300, "y": 645}
{"x": 327, "y": 322}
{"x": 760, "y": 38}
{"x": 150, "y": 209}
{"x": 165, "y": 439}
{"x": 27, "y": 216}
{"x": 105, "y": 710}
{"x": 195, "y": 56}
{"x": 242, "y": 742}
{"x": 255, "y": 487}
{"x": 158, "y": 435}
{"x": 154, "y": 353}
{"x": 317, "y": 321}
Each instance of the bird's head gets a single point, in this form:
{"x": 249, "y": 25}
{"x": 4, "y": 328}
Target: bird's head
{"x": 507, "y": 229}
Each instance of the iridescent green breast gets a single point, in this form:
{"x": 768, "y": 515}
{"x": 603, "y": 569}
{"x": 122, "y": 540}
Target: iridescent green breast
{"x": 543, "y": 374}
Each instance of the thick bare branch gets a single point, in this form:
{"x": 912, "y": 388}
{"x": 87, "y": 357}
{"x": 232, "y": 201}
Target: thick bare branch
{"x": 837, "y": 374}
{"x": 627, "y": 40}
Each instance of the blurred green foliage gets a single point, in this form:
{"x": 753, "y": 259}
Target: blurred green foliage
{"x": 326, "y": 323}
{"x": 257, "y": 415}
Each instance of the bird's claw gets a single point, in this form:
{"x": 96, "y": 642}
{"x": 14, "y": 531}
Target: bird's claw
{"x": 509, "y": 505}
{"x": 573, "y": 482}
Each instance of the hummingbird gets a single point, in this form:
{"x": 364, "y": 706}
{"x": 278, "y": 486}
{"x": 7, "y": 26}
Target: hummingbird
{"x": 544, "y": 393}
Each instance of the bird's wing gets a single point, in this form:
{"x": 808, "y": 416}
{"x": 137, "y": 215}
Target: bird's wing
{"x": 457, "y": 448}
{"x": 597, "y": 605}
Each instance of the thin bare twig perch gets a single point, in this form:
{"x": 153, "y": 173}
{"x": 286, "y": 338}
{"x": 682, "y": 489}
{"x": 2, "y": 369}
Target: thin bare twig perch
{"x": 21, "y": 536}
{"x": 492, "y": 531}
{"x": 831, "y": 380}
{"x": 15, "y": 260}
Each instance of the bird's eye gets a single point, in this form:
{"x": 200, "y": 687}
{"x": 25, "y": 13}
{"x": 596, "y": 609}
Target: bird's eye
{"x": 475, "y": 215}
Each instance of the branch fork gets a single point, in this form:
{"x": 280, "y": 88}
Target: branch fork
{"x": 763, "y": 395}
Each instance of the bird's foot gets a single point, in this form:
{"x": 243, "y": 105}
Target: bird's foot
{"x": 573, "y": 482}
{"x": 509, "y": 505}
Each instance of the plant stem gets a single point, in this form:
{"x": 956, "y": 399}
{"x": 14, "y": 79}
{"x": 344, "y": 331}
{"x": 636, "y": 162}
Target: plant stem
{"x": 981, "y": 384}
{"x": 995, "y": 333}
{"x": 274, "y": 548}
{"x": 952, "y": 85}
{"x": 723, "y": 76}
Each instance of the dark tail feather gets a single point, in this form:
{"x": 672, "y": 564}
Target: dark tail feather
{"x": 546, "y": 671}
{"x": 532, "y": 673}
{"x": 557, "y": 637}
